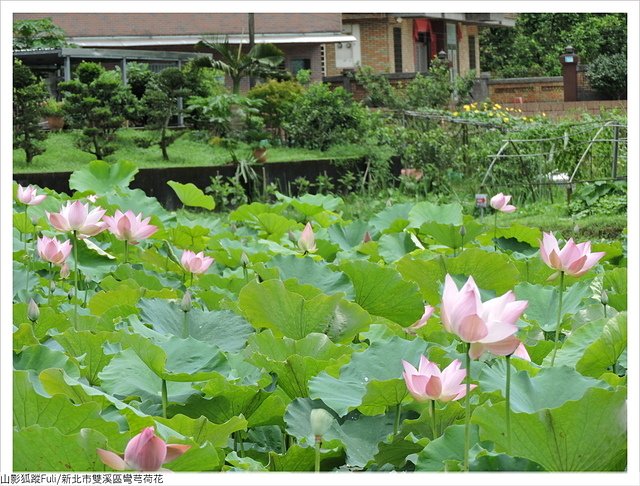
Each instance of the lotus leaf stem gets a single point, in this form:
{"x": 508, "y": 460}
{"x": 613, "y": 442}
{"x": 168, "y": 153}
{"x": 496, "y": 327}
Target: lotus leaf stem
{"x": 467, "y": 409}
{"x": 559, "y": 325}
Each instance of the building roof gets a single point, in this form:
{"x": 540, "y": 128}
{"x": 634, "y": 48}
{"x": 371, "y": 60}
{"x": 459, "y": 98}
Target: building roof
{"x": 78, "y": 25}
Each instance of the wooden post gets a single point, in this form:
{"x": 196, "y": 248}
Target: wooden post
{"x": 569, "y": 60}
{"x": 614, "y": 157}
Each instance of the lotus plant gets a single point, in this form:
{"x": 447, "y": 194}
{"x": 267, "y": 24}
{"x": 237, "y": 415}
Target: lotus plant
{"x": 429, "y": 383}
{"x": 130, "y": 228}
{"x": 76, "y": 218}
{"x": 144, "y": 452}
{"x": 307, "y": 241}
{"x": 29, "y": 197}
{"x": 500, "y": 203}
{"x": 320, "y": 421}
{"x": 483, "y": 326}
{"x": 55, "y": 253}
{"x": 574, "y": 260}
{"x": 195, "y": 262}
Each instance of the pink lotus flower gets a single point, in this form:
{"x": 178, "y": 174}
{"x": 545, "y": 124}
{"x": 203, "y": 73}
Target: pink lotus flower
{"x": 51, "y": 250}
{"x": 573, "y": 259}
{"x": 429, "y": 383}
{"x": 307, "y": 241}
{"x": 77, "y": 217}
{"x": 428, "y": 312}
{"x": 144, "y": 452}
{"x": 500, "y": 202}
{"x": 195, "y": 262}
{"x": 27, "y": 195}
{"x": 489, "y": 325}
{"x": 130, "y": 227}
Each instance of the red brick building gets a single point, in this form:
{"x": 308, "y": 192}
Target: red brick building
{"x": 406, "y": 42}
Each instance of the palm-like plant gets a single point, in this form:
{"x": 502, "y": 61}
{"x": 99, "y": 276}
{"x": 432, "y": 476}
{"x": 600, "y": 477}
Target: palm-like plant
{"x": 261, "y": 60}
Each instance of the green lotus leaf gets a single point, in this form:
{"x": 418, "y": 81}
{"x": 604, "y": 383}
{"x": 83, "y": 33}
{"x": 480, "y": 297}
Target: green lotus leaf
{"x": 394, "y": 246}
{"x": 269, "y": 304}
{"x": 615, "y": 283}
{"x": 88, "y": 349}
{"x": 102, "y": 177}
{"x": 379, "y": 362}
{"x": 561, "y": 439}
{"x": 448, "y": 447}
{"x": 382, "y": 395}
{"x": 31, "y": 408}
{"x": 543, "y": 302}
{"x": 426, "y": 212}
{"x": 550, "y": 388}
{"x": 224, "y": 400}
{"x": 449, "y": 234}
{"x": 191, "y": 196}
{"x": 382, "y": 291}
{"x": 603, "y": 351}
{"x": 51, "y": 321}
{"x": 392, "y": 219}
{"x": 360, "y": 435}
{"x": 348, "y": 236}
{"x": 224, "y": 329}
{"x": 38, "y": 358}
{"x": 295, "y": 362}
{"x": 318, "y": 274}
{"x": 56, "y": 451}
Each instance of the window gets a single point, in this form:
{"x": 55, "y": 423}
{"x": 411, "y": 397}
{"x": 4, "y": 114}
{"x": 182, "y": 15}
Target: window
{"x": 397, "y": 49}
{"x": 472, "y": 52}
{"x": 298, "y": 64}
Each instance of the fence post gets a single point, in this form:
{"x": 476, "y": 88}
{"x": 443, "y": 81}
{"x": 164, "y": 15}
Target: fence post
{"x": 569, "y": 60}
{"x": 614, "y": 157}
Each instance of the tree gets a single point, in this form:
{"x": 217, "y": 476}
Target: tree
{"x": 160, "y": 103}
{"x": 29, "y": 95}
{"x": 533, "y": 46}
{"x": 97, "y": 102}
{"x": 260, "y": 61}
{"x": 38, "y": 34}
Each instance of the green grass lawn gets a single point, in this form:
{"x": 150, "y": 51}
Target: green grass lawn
{"x": 61, "y": 153}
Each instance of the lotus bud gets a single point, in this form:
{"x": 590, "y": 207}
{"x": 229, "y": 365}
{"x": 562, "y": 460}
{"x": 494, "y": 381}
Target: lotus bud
{"x": 244, "y": 259}
{"x": 366, "y": 238}
{"x": 463, "y": 231}
{"x": 291, "y": 236}
{"x": 604, "y": 297}
{"x": 33, "y": 313}
{"x": 307, "y": 241}
{"x": 185, "y": 304}
{"x": 64, "y": 271}
{"x": 321, "y": 421}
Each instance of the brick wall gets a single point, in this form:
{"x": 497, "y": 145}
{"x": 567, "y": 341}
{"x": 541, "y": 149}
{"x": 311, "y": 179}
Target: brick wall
{"x": 529, "y": 89}
{"x": 376, "y": 36}
{"x": 116, "y": 24}
{"x": 564, "y": 109}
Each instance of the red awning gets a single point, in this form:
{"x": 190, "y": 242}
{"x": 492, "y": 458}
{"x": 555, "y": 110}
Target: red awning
{"x": 424, "y": 25}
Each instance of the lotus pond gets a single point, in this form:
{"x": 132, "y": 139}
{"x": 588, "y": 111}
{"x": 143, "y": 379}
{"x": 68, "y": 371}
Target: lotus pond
{"x": 272, "y": 338}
